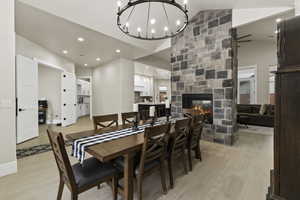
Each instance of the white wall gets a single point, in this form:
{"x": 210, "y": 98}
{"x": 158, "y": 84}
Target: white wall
{"x": 50, "y": 88}
{"x": 83, "y": 71}
{"x": 242, "y": 16}
{"x": 263, "y": 54}
{"x": 32, "y": 50}
{"x": 113, "y": 87}
{"x": 297, "y": 7}
{"x": 8, "y": 162}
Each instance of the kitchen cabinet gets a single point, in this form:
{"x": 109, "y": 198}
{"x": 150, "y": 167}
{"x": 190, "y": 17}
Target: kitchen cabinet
{"x": 144, "y": 85}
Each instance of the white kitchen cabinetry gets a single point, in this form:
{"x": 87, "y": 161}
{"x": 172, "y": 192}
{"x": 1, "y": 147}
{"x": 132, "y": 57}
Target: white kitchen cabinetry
{"x": 143, "y": 84}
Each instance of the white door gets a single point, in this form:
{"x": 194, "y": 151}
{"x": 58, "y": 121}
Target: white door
{"x": 27, "y": 99}
{"x": 68, "y": 99}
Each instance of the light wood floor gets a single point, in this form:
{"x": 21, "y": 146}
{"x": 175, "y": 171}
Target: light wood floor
{"x": 82, "y": 124}
{"x": 240, "y": 172}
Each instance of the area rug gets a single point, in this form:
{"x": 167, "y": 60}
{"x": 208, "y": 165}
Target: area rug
{"x": 22, "y": 153}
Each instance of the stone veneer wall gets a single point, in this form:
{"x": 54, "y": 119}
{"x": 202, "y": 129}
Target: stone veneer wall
{"x": 204, "y": 61}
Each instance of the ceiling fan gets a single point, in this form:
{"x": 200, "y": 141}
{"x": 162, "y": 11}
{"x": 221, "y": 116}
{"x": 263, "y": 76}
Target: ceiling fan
{"x": 242, "y": 39}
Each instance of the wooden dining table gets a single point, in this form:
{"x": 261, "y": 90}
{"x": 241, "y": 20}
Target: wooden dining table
{"x": 107, "y": 151}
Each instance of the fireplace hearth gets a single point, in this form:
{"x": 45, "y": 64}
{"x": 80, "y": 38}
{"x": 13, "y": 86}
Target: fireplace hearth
{"x": 200, "y": 104}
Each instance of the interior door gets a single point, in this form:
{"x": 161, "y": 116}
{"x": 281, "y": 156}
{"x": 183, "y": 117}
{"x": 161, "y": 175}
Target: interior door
{"x": 69, "y": 104}
{"x": 27, "y": 98}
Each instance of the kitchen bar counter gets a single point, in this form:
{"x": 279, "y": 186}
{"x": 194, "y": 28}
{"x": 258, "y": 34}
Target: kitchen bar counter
{"x": 160, "y": 109}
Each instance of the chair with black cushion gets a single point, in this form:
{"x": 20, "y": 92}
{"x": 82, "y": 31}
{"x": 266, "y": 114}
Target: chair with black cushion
{"x": 178, "y": 145}
{"x": 129, "y": 117}
{"x": 99, "y": 121}
{"x": 80, "y": 177}
{"x": 194, "y": 138}
{"x": 153, "y": 155}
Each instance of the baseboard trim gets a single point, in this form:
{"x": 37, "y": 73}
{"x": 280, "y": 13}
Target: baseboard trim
{"x": 8, "y": 168}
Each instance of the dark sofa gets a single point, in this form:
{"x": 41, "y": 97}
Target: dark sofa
{"x": 249, "y": 115}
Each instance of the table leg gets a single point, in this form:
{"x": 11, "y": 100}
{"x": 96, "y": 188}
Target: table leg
{"x": 128, "y": 176}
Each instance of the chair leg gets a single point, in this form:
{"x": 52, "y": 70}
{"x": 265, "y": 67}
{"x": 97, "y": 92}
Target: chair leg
{"x": 60, "y": 189}
{"x": 190, "y": 158}
{"x": 99, "y": 186}
{"x": 74, "y": 196}
{"x": 184, "y": 160}
{"x": 140, "y": 186}
{"x": 163, "y": 176}
{"x": 198, "y": 153}
{"x": 170, "y": 166}
{"x": 115, "y": 188}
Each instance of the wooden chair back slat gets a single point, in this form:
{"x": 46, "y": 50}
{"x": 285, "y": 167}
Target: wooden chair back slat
{"x": 196, "y": 130}
{"x": 180, "y": 135}
{"x": 155, "y": 143}
{"x": 61, "y": 158}
{"x": 112, "y": 119}
{"x": 129, "y": 117}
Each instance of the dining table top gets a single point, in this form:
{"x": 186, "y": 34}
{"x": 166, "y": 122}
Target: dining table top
{"x": 109, "y": 150}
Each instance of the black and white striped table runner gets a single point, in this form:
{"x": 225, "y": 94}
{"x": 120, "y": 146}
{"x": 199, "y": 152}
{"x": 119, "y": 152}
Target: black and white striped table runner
{"x": 79, "y": 145}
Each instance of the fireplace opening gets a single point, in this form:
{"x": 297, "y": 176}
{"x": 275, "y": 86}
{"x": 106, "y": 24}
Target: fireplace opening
{"x": 199, "y": 104}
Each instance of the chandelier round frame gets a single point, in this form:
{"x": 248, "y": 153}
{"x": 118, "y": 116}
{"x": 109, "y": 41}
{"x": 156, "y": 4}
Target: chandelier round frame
{"x": 132, "y": 3}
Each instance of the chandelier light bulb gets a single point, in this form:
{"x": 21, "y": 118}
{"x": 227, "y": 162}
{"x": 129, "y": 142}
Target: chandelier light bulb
{"x": 153, "y": 21}
{"x": 119, "y": 3}
{"x": 166, "y": 29}
{"x": 127, "y": 24}
{"x": 139, "y": 30}
{"x": 178, "y": 22}
{"x": 152, "y": 31}
{"x": 185, "y": 2}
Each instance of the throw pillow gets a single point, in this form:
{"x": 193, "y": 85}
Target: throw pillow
{"x": 262, "y": 110}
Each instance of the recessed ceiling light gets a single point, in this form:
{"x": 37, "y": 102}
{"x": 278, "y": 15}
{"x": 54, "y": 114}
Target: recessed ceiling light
{"x": 153, "y": 21}
{"x": 98, "y": 59}
{"x": 65, "y": 52}
{"x": 86, "y": 65}
{"x": 80, "y": 39}
{"x": 278, "y": 20}
{"x": 118, "y": 51}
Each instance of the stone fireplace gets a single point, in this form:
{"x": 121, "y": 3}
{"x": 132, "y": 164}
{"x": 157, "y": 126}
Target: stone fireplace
{"x": 204, "y": 72}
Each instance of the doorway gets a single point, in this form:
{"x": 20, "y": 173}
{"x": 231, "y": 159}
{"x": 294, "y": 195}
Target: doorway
{"x": 44, "y": 98}
{"x": 247, "y": 85}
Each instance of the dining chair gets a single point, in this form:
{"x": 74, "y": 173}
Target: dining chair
{"x": 129, "y": 117}
{"x": 111, "y": 119}
{"x": 178, "y": 145}
{"x": 153, "y": 155}
{"x": 194, "y": 138}
{"x": 80, "y": 177}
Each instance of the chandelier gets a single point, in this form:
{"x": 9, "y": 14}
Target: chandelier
{"x": 152, "y": 19}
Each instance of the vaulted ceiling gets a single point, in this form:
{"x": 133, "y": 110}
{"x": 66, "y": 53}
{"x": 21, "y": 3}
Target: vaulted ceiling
{"x": 56, "y": 24}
